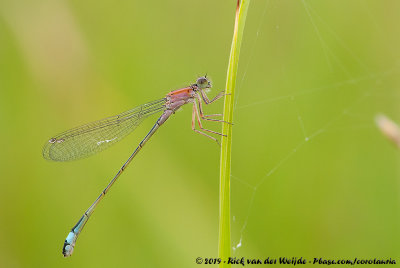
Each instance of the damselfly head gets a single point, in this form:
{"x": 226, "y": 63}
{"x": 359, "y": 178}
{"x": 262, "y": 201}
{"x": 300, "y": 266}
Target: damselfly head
{"x": 203, "y": 82}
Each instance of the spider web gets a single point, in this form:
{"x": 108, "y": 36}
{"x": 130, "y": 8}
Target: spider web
{"x": 290, "y": 123}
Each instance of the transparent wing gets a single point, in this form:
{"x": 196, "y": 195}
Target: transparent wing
{"x": 94, "y": 137}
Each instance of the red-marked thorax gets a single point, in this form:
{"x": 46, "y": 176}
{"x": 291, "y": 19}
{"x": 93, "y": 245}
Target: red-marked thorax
{"x": 179, "y": 97}
{"x": 182, "y": 93}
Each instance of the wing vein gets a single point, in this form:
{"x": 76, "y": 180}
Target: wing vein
{"x": 91, "y": 138}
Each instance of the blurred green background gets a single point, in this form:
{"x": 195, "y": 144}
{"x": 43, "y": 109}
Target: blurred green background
{"x": 312, "y": 175}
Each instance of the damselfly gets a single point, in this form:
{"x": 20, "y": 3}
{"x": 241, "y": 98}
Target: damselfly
{"x": 94, "y": 137}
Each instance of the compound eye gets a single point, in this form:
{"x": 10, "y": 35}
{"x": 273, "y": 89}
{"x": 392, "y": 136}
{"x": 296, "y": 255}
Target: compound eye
{"x": 202, "y": 82}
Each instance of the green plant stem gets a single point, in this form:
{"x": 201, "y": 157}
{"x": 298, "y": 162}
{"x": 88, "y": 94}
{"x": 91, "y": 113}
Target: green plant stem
{"x": 224, "y": 247}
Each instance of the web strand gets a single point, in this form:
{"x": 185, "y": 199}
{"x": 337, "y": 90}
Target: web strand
{"x": 332, "y": 124}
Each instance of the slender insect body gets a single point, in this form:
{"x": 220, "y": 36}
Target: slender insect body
{"x": 85, "y": 140}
